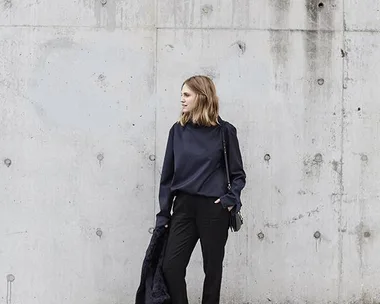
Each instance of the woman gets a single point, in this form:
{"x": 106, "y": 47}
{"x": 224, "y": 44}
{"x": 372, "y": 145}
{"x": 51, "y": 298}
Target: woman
{"x": 194, "y": 181}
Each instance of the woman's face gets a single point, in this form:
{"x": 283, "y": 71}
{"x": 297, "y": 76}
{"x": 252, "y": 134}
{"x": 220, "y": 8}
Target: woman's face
{"x": 188, "y": 99}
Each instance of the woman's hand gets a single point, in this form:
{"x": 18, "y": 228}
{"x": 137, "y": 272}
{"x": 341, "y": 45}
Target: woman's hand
{"x": 218, "y": 201}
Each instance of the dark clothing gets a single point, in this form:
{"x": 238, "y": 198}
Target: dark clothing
{"x": 194, "y": 164}
{"x": 196, "y": 217}
{"x": 152, "y": 288}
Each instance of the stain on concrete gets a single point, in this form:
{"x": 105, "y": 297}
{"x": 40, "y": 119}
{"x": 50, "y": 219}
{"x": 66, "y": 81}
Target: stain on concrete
{"x": 318, "y": 238}
{"x": 139, "y": 188}
{"x": 105, "y": 14}
{"x": 8, "y": 4}
{"x": 100, "y": 158}
{"x": 241, "y": 45}
{"x": 365, "y": 298}
{"x": 17, "y": 232}
{"x": 51, "y": 48}
{"x": 279, "y": 42}
{"x": 311, "y": 40}
{"x": 360, "y": 242}
{"x": 64, "y": 42}
{"x": 102, "y": 82}
{"x": 207, "y": 9}
{"x": 337, "y": 166}
{"x": 319, "y": 14}
{"x": 312, "y": 11}
{"x": 301, "y": 216}
{"x": 269, "y": 225}
{"x": 183, "y": 13}
{"x": 278, "y": 190}
{"x": 301, "y": 192}
{"x": 211, "y": 72}
{"x": 312, "y": 212}
{"x": 241, "y": 13}
{"x": 169, "y": 48}
{"x": 279, "y": 47}
{"x": 294, "y": 219}
{"x": 318, "y": 45}
{"x": 10, "y": 279}
{"x": 312, "y": 166}
{"x": 280, "y": 11}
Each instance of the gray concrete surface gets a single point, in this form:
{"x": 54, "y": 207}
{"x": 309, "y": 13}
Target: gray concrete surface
{"x": 88, "y": 91}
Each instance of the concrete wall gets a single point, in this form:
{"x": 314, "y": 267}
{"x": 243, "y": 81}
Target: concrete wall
{"x": 88, "y": 91}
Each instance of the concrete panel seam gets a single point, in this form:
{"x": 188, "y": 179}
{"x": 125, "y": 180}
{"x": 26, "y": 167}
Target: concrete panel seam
{"x": 77, "y": 27}
{"x": 155, "y": 180}
{"x": 341, "y": 186}
{"x": 194, "y": 28}
{"x": 362, "y": 30}
{"x": 248, "y": 29}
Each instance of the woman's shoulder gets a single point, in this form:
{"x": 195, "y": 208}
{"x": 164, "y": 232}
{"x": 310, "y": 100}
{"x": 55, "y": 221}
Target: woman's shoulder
{"x": 228, "y": 126}
{"x": 176, "y": 126}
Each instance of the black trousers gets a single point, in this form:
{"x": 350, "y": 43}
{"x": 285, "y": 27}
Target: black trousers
{"x": 196, "y": 217}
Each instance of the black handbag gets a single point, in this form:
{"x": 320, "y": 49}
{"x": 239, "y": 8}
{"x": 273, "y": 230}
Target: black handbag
{"x": 236, "y": 219}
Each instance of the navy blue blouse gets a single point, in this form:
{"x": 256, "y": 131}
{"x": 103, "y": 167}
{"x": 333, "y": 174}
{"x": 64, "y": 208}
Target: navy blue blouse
{"x": 194, "y": 163}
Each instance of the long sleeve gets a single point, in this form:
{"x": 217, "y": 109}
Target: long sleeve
{"x": 165, "y": 194}
{"x": 237, "y": 174}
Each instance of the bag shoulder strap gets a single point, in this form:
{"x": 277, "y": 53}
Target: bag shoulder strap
{"x": 223, "y": 125}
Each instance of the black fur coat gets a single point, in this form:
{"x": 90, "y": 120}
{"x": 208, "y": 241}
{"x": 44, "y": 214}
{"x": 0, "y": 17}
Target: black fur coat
{"x": 153, "y": 289}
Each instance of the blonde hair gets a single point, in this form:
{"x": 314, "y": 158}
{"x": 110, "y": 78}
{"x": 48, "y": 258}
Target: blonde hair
{"x": 206, "y": 111}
